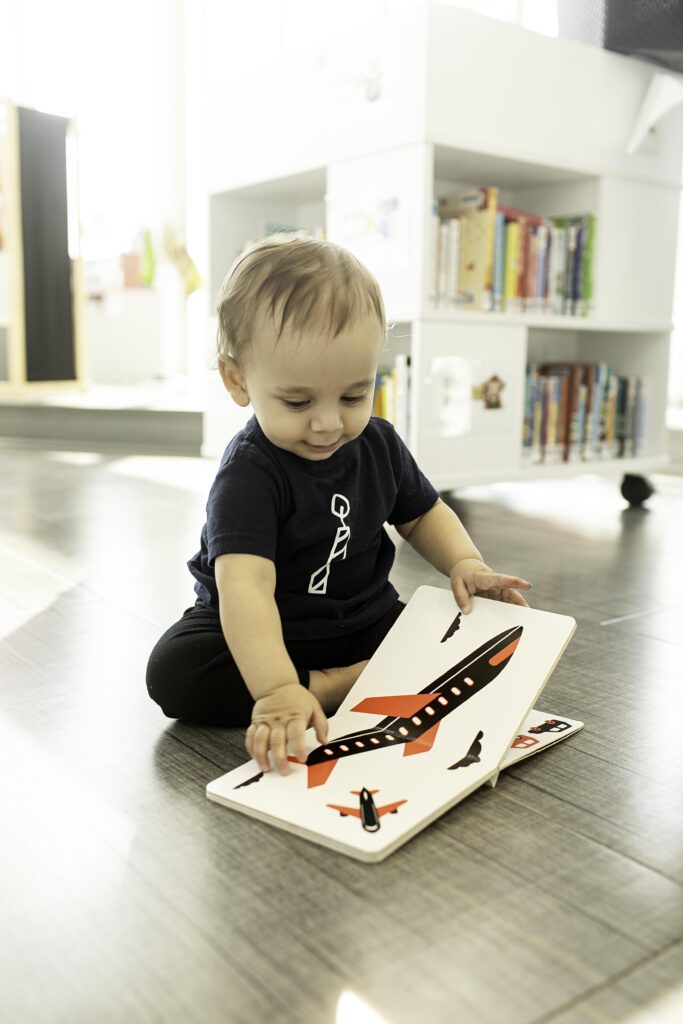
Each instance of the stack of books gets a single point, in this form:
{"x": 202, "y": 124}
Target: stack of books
{"x": 581, "y": 412}
{"x": 494, "y": 258}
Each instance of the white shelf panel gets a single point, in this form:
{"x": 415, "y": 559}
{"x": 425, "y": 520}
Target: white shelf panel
{"x": 615, "y": 467}
{"x": 538, "y": 320}
{"x": 306, "y": 186}
{"x": 454, "y": 159}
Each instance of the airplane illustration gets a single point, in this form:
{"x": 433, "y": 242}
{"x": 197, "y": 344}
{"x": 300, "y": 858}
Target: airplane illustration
{"x": 414, "y": 719}
{"x": 367, "y": 811}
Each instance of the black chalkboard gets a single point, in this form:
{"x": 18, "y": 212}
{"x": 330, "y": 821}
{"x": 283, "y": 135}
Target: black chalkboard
{"x": 50, "y": 351}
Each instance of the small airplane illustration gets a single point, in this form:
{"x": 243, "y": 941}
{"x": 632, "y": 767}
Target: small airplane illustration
{"x": 367, "y": 811}
{"x": 414, "y": 719}
{"x": 472, "y": 755}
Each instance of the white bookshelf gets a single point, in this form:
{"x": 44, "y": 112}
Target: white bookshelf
{"x": 437, "y": 99}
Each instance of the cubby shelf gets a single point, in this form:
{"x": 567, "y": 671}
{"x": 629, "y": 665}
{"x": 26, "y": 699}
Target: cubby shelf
{"x": 459, "y": 101}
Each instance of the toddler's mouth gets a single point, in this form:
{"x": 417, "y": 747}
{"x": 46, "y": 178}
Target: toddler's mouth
{"x": 322, "y": 447}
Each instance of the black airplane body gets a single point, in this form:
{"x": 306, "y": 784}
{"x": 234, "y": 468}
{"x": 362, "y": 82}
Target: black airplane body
{"x": 413, "y": 719}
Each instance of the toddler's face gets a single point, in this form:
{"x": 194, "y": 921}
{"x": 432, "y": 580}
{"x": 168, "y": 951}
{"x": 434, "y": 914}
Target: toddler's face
{"x": 312, "y": 394}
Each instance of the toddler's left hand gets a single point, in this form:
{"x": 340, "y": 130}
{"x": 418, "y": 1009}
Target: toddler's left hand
{"x": 470, "y": 576}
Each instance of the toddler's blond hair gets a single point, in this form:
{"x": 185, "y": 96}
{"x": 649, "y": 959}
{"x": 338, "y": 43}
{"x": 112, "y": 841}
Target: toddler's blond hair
{"x": 305, "y": 282}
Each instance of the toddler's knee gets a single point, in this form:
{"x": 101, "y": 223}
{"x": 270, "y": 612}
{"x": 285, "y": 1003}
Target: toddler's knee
{"x": 162, "y": 683}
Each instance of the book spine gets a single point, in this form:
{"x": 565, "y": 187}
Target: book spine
{"x": 487, "y": 303}
{"x": 559, "y": 272}
{"x": 542, "y": 254}
{"x": 531, "y": 382}
{"x": 402, "y": 384}
{"x": 511, "y": 271}
{"x": 620, "y": 417}
{"x": 522, "y": 258}
{"x": 538, "y": 419}
{"x": 531, "y": 269}
{"x": 443, "y": 264}
{"x": 586, "y": 306}
{"x": 569, "y": 270}
{"x": 577, "y": 270}
{"x": 453, "y": 262}
{"x": 499, "y": 264}
{"x": 577, "y": 412}
{"x": 587, "y": 436}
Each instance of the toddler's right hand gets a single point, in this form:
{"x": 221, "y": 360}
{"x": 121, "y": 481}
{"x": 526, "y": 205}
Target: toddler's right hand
{"x": 280, "y": 719}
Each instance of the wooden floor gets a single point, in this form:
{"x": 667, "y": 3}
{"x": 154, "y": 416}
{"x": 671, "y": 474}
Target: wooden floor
{"x": 126, "y": 896}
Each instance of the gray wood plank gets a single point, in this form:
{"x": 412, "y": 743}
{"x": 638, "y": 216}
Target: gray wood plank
{"x": 652, "y": 992}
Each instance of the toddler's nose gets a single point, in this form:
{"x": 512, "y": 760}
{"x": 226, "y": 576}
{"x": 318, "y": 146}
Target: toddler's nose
{"x": 326, "y": 421}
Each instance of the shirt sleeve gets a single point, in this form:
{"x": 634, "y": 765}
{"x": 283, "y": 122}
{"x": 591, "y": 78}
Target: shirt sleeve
{"x": 243, "y": 509}
{"x": 415, "y": 495}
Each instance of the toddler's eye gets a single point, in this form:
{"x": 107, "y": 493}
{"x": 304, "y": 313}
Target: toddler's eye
{"x": 353, "y": 399}
{"x": 295, "y": 404}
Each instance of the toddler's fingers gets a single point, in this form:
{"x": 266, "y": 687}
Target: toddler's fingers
{"x": 319, "y": 722}
{"x": 278, "y": 748}
{"x": 513, "y": 597}
{"x": 499, "y": 581}
{"x": 296, "y": 730}
{"x": 249, "y": 740}
{"x": 260, "y": 744}
{"x": 461, "y": 595}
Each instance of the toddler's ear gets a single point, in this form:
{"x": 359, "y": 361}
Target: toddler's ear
{"x": 233, "y": 380}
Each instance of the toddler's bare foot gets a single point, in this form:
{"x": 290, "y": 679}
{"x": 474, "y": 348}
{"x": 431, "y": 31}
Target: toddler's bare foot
{"x": 331, "y": 685}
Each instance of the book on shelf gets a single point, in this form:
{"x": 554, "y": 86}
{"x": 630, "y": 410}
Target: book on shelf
{"x": 492, "y": 257}
{"x": 475, "y": 212}
{"x": 581, "y": 412}
{"x": 391, "y": 401}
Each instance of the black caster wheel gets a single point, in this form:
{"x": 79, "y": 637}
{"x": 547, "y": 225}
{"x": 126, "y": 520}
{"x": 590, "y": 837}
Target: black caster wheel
{"x": 636, "y": 489}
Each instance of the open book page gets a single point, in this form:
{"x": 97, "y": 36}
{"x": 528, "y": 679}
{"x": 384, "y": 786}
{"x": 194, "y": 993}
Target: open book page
{"x": 428, "y": 721}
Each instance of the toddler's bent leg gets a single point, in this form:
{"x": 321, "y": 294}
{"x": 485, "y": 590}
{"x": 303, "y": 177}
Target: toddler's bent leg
{"x": 191, "y": 673}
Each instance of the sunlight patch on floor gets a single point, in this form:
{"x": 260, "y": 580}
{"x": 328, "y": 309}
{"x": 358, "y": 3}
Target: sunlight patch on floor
{"x": 188, "y": 473}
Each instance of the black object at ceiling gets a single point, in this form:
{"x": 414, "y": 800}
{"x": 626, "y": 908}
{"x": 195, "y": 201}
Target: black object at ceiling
{"x": 649, "y": 29}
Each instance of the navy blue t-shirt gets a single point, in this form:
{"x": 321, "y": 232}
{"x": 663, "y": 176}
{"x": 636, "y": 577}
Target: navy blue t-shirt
{"x": 321, "y": 523}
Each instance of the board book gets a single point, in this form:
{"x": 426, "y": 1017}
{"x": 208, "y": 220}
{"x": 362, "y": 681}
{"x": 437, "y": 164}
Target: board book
{"x": 433, "y": 716}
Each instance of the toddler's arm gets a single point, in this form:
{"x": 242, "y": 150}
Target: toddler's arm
{"x": 253, "y": 631}
{"x": 443, "y": 541}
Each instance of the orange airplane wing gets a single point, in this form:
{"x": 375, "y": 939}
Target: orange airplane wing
{"x": 389, "y": 808}
{"x": 403, "y": 706}
{"x": 345, "y": 810}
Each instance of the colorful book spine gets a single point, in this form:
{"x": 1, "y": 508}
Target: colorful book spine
{"x": 586, "y": 287}
{"x": 452, "y": 262}
{"x": 499, "y": 264}
{"x": 511, "y": 266}
{"x": 491, "y": 209}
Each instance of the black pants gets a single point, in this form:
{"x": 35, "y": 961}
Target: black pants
{"x": 192, "y": 675}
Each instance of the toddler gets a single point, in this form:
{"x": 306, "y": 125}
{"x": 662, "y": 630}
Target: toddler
{"x": 292, "y": 575}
